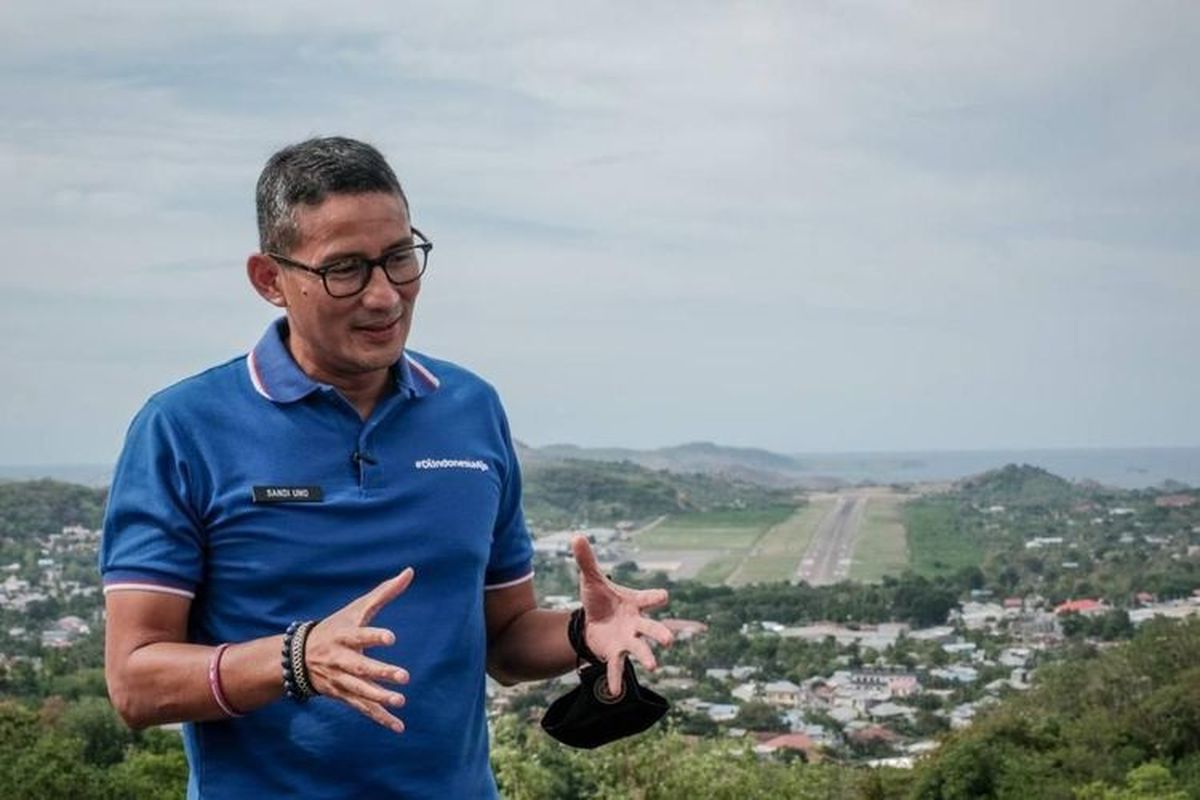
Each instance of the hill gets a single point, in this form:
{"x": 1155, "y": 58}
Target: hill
{"x": 36, "y": 508}
{"x": 559, "y": 493}
{"x": 745, "y": 464}
{"x": 1094, "y": 722}
{"x": 1020, "y": 485}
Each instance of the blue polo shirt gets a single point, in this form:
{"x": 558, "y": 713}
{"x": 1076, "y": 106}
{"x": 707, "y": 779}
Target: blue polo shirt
{"x": 263, "y": 496}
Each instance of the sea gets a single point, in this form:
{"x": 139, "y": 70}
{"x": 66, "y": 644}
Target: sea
{"x": 1124, "y": 468}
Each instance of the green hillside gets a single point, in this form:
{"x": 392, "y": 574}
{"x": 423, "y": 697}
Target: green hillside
{"x": 1129, "y": 716}
{"x": 33, "y": 508}
{"x": 573, "y": 492}
{"x": 1020, "y": 485}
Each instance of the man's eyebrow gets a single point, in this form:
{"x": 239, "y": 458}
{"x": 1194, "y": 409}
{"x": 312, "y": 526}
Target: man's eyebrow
{"x": 404, "y": 241}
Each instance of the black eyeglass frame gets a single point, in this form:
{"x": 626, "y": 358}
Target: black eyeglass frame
{"x": 424, "y": 245}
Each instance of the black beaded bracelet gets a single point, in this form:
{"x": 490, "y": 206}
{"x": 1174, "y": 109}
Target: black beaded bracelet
{"x": 578, "y": 641}
{"x": 296, "y": 683}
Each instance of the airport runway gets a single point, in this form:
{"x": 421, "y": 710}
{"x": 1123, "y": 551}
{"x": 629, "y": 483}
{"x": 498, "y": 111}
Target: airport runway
{"x": 828, "y": 557}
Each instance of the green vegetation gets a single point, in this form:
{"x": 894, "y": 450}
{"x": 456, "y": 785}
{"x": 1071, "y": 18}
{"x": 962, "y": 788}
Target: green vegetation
{"x": 937, "y": 541}
{"x": 563, "y": 493}
{"x": 1020, "y": 486}
{"x": 36, "y": 508}
{"x": 778, "y": 551}
{"x": 1116, "y": 725}
{"x": 82, "y": 750}
{"x": 882, "y": 547}
{"x": 1024, "y": 531}
{"x": 718, "y": 569}
{"x": 732, "y": 529}
{"x": 663, "y": 765}
{"x": 727, "y": 537}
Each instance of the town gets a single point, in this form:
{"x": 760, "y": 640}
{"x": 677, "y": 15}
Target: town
{"x": 873, "y": 674}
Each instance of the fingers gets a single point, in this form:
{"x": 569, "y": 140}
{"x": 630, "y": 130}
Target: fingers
{"x": 641, "y": 651}
{"x": 374, "y": 670}
{"x": 362, "y": 638}
{"x": 366, "y": 697}
{"x": 656, "y": 631}
{"x": 377, "y": 713}
{"x": 383, "y": 594}
{"x": 349, "y": 687}
{"x": 614, "y": 668}
{"x": 586, "y": 559}
{"x": 651, "y": 598}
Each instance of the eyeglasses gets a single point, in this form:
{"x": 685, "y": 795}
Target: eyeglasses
{"x": 348, "y": 276}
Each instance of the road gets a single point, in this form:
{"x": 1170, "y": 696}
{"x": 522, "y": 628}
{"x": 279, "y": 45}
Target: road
{"x": 827, "y": 559}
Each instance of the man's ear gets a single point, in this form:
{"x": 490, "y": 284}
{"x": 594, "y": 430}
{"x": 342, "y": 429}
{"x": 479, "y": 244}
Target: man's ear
{"x": 264, "y": 275}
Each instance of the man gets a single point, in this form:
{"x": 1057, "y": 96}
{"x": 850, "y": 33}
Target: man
{"x": 332, "y": 476}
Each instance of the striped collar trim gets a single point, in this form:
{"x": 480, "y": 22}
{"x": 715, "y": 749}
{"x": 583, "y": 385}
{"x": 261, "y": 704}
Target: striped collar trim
{"x": 425, "y": 381}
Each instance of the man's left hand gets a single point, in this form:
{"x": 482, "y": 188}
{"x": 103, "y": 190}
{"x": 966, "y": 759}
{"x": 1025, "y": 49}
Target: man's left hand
{"x": 614, "y": 616}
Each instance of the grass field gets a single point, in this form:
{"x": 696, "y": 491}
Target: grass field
{"x": 778, "y": 551}
{"x": 728, "y": 535}
{"x": 937, "y": 543}
{"x": 882, "y": 547}
{"x": 718, "y": 570}
{"x": 716, "y": 530}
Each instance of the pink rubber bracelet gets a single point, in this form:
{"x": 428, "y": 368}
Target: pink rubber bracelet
{"x": 214, "y": 681}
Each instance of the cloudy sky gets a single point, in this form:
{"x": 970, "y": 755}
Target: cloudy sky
{"x": 816, "y": 226}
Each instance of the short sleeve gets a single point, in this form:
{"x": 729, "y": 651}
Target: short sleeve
{"x": 152, "y": 533}
{"x": 511, "y": 560}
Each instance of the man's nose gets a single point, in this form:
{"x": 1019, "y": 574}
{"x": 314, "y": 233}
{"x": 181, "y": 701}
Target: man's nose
{"x": 380, "y": 292}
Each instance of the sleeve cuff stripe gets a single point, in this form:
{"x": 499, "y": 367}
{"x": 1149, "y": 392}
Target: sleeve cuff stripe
{"x": 148, "y": 587}
{"x": 489, "y": 586}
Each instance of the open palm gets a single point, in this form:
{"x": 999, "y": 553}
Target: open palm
{"x": 616, "y": 622}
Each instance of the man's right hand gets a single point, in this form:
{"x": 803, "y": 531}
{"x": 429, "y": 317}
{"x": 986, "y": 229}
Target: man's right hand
{"x": 337, "y": 666}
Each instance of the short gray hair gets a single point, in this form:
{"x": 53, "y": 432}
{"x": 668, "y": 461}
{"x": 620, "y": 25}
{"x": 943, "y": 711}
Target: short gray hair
{"x": 308, "y": 172}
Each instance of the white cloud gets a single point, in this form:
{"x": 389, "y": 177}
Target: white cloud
{"x": 853, "y": 208}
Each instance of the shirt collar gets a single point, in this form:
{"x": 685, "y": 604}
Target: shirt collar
{"x": 277, "y": 376}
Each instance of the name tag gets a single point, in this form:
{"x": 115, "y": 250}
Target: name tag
{"x": 288, "y": 494}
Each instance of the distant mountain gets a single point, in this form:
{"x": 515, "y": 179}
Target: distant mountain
{"x": 748, "y": 464}
{"x": 1021, "y": 485}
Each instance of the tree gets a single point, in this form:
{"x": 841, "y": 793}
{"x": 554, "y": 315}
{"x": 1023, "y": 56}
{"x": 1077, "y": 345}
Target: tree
{"x": 758, "y": 716}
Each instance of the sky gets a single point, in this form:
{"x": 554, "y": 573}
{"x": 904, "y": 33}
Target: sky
{"x": 805, "y": 226}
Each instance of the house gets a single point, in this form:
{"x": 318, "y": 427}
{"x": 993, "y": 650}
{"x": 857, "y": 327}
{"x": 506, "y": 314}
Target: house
{"x": 1175, "y": 501}
{"x": 783, "y": 694}
{"x": 896, "y": 684}
{"x": 794, "y": 742}
{"x": 721, "y": 712}
{"x": 1085, "y": 606}
{"x": 1038, "y": 542}
{"x": 873, "y": 733}
{"x": 746, "y": 692}
{"x": 940, "y": 633}
{"x": 890, "y": 711}
{"x": 1015, "y": 656}
{"x": 956, "y": 674}
{"x": 960, "y": 648}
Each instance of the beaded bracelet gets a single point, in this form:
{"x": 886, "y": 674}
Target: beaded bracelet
{"x": 296, "y": 683}
{"x": 575, "y": 626}
{"x": 214, "y": 681}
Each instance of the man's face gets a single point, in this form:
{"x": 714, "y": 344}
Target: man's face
{"x": 345, "y": 339}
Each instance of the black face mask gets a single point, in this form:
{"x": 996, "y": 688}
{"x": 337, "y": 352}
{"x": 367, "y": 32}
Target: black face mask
{"x": 587, "y": 716}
